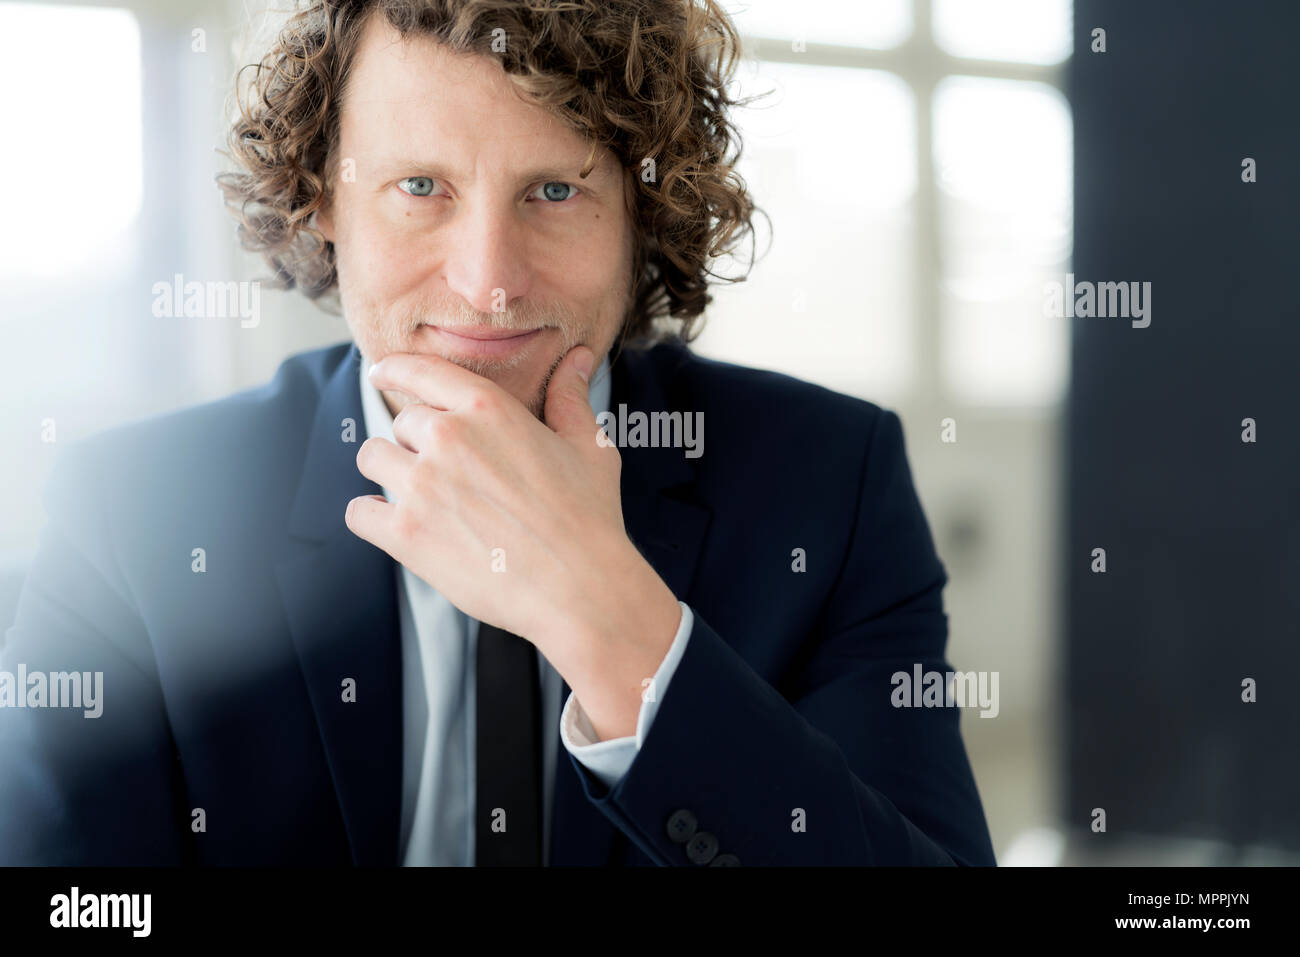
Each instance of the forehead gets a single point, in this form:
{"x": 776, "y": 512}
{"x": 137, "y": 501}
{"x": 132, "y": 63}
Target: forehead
{"x": 413, "y": 97}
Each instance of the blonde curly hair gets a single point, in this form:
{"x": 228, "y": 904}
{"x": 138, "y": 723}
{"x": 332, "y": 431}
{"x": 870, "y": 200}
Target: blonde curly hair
{"x": 648, "y": 79}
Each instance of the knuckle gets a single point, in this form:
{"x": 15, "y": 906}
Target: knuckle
{"x": 409, "y": 422}
{"x": 482, "y": 401}
{"x": 423, "y": 473}
{"x": 440, "y": 429}
{"x": 405, "y": 523}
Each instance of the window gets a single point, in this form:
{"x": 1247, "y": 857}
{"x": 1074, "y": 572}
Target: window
{"x": 1025, "y": 31}
{"x": 94, "y": 217}
{"x": 837, "y": 274}
{"x": 916, "y": 161}
{"x": 85, "y": 168}
{"x": 867, "y": 23}
{"x": 1002, "y": 152}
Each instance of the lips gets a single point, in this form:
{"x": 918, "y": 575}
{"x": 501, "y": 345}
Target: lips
{"x": 485, "y": 342}
{"x": 485, "y": 333}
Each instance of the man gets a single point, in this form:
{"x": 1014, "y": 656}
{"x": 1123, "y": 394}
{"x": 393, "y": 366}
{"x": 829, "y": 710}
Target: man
{"x": 489, "y": 634}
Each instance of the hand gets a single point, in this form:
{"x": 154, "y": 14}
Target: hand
{"x": 516, "y": 522}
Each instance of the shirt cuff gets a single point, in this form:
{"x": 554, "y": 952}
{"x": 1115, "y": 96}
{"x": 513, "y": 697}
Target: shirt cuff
{"x": 609, "y": 760}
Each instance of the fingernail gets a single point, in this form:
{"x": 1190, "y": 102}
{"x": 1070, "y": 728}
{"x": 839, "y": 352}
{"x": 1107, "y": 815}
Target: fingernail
{"x": 584, "y": 364}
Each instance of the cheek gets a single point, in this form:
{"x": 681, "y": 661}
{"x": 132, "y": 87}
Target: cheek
{"x": 378, "y": 262}
{"x": 594, "y": 269}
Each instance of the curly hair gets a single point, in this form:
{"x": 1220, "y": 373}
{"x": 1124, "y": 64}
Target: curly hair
{"x": 648, "y": 79}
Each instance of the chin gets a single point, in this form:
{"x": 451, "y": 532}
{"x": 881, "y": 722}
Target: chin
{"x": 524, "y": 369}
{"x": 530, "y": 390}
{"x": 526, "y": 381}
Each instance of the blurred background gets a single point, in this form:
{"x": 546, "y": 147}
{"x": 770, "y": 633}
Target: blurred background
{"x": 921, "y": 162}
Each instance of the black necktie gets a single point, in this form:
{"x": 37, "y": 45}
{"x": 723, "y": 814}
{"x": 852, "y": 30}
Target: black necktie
{"x": 508, "y": 789}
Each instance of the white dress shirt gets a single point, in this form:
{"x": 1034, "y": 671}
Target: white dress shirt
{"x": 439, "y": 644}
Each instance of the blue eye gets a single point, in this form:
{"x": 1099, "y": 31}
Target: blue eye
{"x": 555, "y": 191}
{"x": 416, "y": 186}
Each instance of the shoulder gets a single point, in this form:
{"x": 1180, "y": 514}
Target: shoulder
{"x": 688, "y": 374}
{"x": 790, "y": 461}
{"x": 239, "y": 440}
{"x": 788, "y": 416}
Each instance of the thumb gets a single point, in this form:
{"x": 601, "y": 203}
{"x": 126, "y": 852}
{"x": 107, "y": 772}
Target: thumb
{"x": 568, "y": 406}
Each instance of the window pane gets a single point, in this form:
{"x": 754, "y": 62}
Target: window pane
{"x": 867, "y": 23}
{"x": 1004, "y": 162}
{"x": 831, "y": 300}
{"x": 84, "y": 115}
{"x": 1027, "y": 31}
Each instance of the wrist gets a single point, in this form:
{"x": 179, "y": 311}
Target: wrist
{"x": 616, "y": 639}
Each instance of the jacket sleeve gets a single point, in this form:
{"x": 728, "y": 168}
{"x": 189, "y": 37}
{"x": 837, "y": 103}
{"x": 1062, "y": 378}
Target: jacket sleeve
{"x": 829, "y": 772}
{"x": 610, "y": 759}
{"x": 78, "y": 788}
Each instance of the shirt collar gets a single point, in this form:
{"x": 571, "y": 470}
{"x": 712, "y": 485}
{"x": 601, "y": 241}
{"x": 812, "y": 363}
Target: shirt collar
{"x": 379, "y": 421}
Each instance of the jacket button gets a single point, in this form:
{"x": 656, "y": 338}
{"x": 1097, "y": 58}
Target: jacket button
{"x": 702, "y": 847}
{"x": 681, "y": 826}
{"x": 725, "y": 860}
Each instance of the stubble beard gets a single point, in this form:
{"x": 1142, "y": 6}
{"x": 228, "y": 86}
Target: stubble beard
{"x": 396, "y": 332}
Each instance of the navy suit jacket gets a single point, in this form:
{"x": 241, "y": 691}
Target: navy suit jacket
{"x": 222, "y": 697}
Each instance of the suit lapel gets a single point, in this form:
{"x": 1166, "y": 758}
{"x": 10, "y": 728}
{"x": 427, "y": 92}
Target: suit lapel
{"x": 659, "y": 513}
{"x": 340, "y": 597}
{"x": 669, "y": 529}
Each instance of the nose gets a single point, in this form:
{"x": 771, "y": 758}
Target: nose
{"x": 485, "y": 263}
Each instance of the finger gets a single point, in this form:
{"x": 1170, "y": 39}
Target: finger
{"x": 568, "y": 404}
{"x": 415, "y": 426}
{"x": 372, "y": 518}
{"x": 432, "y": 379}
{"x": 385, "y": 463}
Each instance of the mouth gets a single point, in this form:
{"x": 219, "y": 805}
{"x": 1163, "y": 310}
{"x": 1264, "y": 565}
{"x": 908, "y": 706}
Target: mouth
{"x": 481, "y": 341}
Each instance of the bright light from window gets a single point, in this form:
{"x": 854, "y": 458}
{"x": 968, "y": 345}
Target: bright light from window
{"x": 831, "y": 158}
{"x": 866, "y": 23}
{"x": 1025, "y": 31}
{"x": 1004, "y": 161}
{"x": 71, "y": 170}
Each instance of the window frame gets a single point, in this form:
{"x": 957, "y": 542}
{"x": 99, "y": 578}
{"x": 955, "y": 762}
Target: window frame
{"x": 922, "y": 63}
